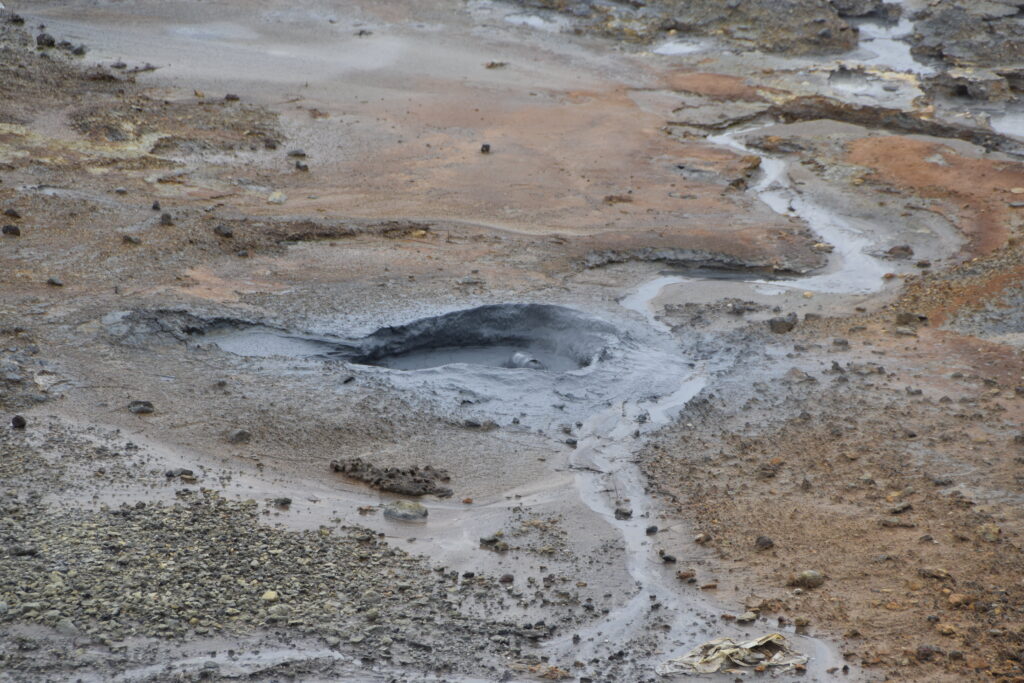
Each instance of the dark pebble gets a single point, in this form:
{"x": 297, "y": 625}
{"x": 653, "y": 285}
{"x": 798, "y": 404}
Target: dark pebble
{"x": 54, "y": 282}
{"x": 506, "y": 578}
{"x": 165, "y": 219}
{"x": 298, "y": 153}
{"x": 131, "y": 239}
{"x": 156, "y": 206}
{"x": 764, "y": 543}
{"x": 140, "y": 407}
{"x": 231, "y": 97}
{"x": 301, "y": 166}
{"x": 18, "y": 422}
{"x": 45, "y": 40}
{"x": 12, "y": 231}
{"x": 651, "y": 530}
{"x": 179, "y": 472}
{"x": 12, "y": 213}
{"x": 223, "y": 231}
{"x": 485, "y": 148}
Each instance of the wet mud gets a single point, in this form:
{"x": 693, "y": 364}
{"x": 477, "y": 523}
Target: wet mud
{"x": 573, "y": 331}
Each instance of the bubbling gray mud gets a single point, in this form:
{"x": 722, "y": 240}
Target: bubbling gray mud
{"x": 512, "y": 336}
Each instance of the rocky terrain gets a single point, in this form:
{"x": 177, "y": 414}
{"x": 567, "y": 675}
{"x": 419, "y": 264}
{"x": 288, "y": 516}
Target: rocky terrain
{"x": 509, "y": 341}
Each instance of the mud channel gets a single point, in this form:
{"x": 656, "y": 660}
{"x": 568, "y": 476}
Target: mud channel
{"x": 481, "y": 341}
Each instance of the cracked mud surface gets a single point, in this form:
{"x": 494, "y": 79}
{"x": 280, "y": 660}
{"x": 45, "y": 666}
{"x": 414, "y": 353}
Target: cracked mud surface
{"x": 299, "y": 382}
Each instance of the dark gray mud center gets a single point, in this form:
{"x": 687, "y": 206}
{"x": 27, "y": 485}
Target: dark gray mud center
{"x": 514, "y": 336}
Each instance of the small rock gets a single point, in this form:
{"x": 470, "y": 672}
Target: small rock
{"x": 140, "y": 407}
{"x": 507, "y": 578}
{"x": 933, "y": 573}
{"x": 179, "y": 472}
{"x": 302, "y": 166}
{"x": 746, "y": 618}
{"x": 651, "y": 530}
{"x": 279, "y": 611}
{"x": 12, "y": 231}
{"x": 957, "y": 600}
{"x": 764, "y": 543}
{"x": 688, "y": 575}
{"x": 131, "y": 239}
{"x": 623, "y": 513}
{"x": 907, "y": 318}
{"x": 231, "y": 97}
{"x": 485, "y": 148}
{"x": 701, "y": 539}
{"x": 270, "y": 596}
{"x": 781, "y": 325}
{"x": 900, "y": 508}
{"x": 405, "y": 510}
{"x": 900, "y": 251}
{"x": 277, "y": 197}
{"x": 120, "y": 190}
{"x": 223, "y": 231}
{"x": 156, "y": 206}
{"x": 990, "y": 532}
{"x": 18, "y": 422}
{"x": 45, "y": 40}
{"x": 12, "y": 213}
{"x": 239, "y": 436}
{"x": 897, "y": 523}
{"x": 282, "y": 502}
{"x": 66, "y": 627}
{"x": 54, "y": 282}
{"x": 297, "y": 153}
{"x": 808, "y": 578}
{"x": 165, "y": 219}
{"x": 925, "y": 653}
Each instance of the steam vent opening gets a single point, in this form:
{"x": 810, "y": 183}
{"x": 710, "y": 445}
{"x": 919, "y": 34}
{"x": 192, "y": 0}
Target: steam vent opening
{"x": 514, "y": 336}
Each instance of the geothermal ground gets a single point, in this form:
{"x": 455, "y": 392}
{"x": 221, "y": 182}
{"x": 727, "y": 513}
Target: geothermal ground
{"x": 479, "y": 341}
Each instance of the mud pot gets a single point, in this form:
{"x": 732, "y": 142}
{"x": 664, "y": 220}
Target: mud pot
{"x": 475, "y": 341}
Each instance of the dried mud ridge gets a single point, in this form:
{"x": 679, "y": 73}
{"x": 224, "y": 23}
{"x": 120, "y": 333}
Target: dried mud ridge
{"x": 817, "y": 107}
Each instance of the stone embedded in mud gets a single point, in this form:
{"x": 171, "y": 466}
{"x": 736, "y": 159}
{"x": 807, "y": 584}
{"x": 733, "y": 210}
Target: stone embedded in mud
{"x": 406, "y": 511}
{"x": 166, "y": 220}
{"x": 12, "y": 230}
{"x": 900, "y": 251}
{"x": 764, "y": 543}
{"x": 408, "y": 481}
{"x": 239, "y": 436}
{"x": 45, "y": 40}
{"x": 12, "y": 213}
{"x": 781, "y": 325}
{"x": 808, "y": 578}
{"x": 55, "y": 282}
{"x": 223, "y": 231}
{"x": 18, "y": 422}
{"x": 141, "y": 407}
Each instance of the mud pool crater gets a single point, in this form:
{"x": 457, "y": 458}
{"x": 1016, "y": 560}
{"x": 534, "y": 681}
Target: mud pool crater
{"x": 511, "y": 336}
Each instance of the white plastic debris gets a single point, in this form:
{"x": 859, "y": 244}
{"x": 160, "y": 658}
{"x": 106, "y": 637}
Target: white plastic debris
{"x": 723, "y": 654}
